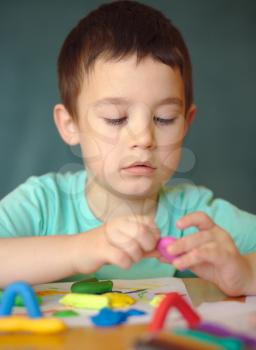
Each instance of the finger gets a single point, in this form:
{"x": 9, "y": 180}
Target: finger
{"x": 119, "y": 258}
{"x": 118, "y": 235}
{"x": 152, "y": 254}
{"x": 133, "y": 250}
{"x": 198, "y": 219}
{"x": 164, "y": 260}
{"x": 146, "y": 221}
{"x": 143, "y": 219}
{"x": 156, "y": 254}
{"x": 146, "y": 236}
{"x": 207, "y": 253}
{"x": 185, "y": 244}
{"x": 214, "y": 254}
{"x": 187, "y": 261}
{"x": 127, "y": 244}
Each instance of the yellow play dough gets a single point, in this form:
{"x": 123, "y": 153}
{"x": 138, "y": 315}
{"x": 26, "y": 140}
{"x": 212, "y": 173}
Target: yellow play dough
{"x": 87, "y": 301}
{"x": 119, "y": 300}
{"x": 157, "y": 299}
{"x": 33, "y": 325}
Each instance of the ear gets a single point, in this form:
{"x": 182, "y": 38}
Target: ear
{"x": 66, "y": 125}
{"x": 190, "y": 116}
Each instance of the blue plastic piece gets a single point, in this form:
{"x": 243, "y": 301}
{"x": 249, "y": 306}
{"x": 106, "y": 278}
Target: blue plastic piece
{"x": 28, "y": 295}
{"x": 135, "y": 312}
{"x": 107, "y": 317}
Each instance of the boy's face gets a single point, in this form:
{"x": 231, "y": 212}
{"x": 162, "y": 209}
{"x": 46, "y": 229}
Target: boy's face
{"x": 131, "y": 125}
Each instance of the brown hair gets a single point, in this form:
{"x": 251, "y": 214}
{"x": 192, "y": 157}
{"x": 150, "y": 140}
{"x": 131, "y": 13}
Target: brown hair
{"x": 116, "y": 30}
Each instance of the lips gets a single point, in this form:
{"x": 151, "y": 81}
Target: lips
{"x": 140, "y": 168}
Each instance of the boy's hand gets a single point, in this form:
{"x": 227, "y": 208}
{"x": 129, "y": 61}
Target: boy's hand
{"x": 211, "y": 254}
{"x": 121, "y": 242}
{"x": 131, "y": 239}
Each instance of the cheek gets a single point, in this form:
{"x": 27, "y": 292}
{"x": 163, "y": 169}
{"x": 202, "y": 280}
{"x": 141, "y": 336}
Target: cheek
{"x": 170, "y": 138}
{"x": 169, "y": 143}
{"x": 170, "y": 158}
{"x": 169, "y": 151}
{"x": 98, "y": 152}
{"x": 91, "y": 149}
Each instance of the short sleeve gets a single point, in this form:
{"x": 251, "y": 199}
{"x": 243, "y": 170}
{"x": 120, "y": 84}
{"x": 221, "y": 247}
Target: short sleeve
{"x": 23, "y": 212}
{"x": 240, "y": 224}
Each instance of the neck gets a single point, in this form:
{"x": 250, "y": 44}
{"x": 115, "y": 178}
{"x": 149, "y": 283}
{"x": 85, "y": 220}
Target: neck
{"x": 107, "y": 205}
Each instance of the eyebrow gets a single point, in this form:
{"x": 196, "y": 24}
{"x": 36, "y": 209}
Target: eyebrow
{"x": 124, "y": 101}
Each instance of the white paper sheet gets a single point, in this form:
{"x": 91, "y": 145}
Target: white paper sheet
{"x": 52, "y": 292}
{"x": 232, "y": 314}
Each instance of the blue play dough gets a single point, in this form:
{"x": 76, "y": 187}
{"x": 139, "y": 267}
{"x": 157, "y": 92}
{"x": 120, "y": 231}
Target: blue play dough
{"x": 26, "y": 292}
{"x": 135, "y": 312}
{"x": 107, "y": 317}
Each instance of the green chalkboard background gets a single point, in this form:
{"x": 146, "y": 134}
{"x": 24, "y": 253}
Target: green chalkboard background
{"x": 220, "y": 148}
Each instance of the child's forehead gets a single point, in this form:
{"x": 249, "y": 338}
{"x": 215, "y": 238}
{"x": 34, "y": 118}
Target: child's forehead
{"x": 129, "y": 64}
{"x": 127, "y": 79}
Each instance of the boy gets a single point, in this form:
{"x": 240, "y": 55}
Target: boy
{"x": 126, "y": 86}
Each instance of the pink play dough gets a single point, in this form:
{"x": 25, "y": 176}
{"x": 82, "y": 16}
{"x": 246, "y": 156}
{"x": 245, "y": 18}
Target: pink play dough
{"x": 162, "y": 245}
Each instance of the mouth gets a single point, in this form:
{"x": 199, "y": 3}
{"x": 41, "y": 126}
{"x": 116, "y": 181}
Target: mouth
{"x": 140, "y": 168}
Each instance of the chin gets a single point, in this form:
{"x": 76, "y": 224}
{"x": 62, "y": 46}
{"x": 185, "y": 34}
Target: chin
{"x": 137, "y": 192}
{"x": 139, "y": 188}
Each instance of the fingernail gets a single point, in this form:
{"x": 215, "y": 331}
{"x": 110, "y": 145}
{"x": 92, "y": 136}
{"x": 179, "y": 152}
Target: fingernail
{"x": 178, "y": 223}
{"x": 170, "y": 249}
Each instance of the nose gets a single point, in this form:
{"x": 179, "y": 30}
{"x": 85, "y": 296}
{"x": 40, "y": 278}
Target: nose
{"x": 141, "y": 134}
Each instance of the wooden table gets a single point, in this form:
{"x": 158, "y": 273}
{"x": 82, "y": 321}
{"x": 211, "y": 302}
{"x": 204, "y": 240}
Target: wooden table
{"x": 116, "y": 338}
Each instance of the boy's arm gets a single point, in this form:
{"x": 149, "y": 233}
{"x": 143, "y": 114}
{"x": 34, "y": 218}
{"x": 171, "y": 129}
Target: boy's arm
{"x": 50, "y": 258}
{"x": 121, "y": 242}
{"x": 38, "y": 259}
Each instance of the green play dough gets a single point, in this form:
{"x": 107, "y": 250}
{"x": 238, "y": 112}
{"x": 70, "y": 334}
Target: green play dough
{"x": 19, "y": 300}
{"x": 65, "y": 313}
{"x": 92, "y": 286}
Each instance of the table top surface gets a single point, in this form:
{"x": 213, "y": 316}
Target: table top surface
{"x": 115, "y": 338}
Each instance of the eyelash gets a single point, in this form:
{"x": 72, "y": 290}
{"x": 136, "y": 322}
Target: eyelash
{"x": 120, "y": 121}
{"x": 115, "y": 122}
{"x": 165, "y": 121}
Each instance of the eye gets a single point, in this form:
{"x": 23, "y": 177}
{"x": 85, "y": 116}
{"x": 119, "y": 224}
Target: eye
{"x": 164, "y": 121}
{"x": 116, "y": 121}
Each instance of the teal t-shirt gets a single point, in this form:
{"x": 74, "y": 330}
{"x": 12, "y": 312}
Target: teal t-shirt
{"x": 56, "y": 204}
